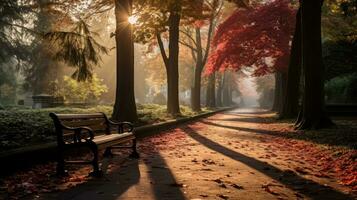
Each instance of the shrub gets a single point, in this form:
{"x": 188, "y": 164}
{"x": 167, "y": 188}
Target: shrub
{"x": 24, "y": 126}
{"x": 341, "y": 89}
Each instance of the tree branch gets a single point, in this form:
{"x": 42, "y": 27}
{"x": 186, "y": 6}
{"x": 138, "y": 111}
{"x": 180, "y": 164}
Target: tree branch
{"x": 162, "y": 50}
{"x": 189, "y": 36}
{"x": 188, "y": 46}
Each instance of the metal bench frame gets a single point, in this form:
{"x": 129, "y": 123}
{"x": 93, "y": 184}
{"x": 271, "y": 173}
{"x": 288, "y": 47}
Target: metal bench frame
{"x": 81, "y": 134}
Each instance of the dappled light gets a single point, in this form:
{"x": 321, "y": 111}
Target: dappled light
{"x": 178, "y": 99}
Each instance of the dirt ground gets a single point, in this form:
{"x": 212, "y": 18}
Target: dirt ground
{"x": 235, "y": 155}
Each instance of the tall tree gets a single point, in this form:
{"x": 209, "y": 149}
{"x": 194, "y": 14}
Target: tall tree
{"x": 171, "y": 60}
{"x": 312, "y": 113}
{"x": 125, "y": 106}
{"x": 80, "y": 49}
{"x": 200, "y": 52}
{"x": 43, "y": 68}
{"x": 162, "y": 20}
{"x": 12, "y": 45}
{"x": 290, "y": 104}
{"x": 256, "y": 38}
{"x": 211, "y": 91}
{"x": 252, "y": 37}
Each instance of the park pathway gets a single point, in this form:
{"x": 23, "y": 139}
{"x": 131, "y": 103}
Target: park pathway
{"x": 234, "y": 155}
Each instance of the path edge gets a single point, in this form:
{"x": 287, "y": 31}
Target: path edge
{"x": 27, "y": 156}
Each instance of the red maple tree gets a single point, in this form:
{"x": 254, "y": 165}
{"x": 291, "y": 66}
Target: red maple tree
{"x": 257, "y": 37}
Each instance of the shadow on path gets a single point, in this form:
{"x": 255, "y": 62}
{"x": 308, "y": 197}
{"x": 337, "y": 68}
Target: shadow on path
{"x": 252, "y": 111}
{"x": 310, "y": 189}
{"x": 254, "y": 120}
{"x": 116, "y": 185}
{"x": 252, "y": 130}
{"x": 335, "y": 137}
{"x": 163, "y": 181}
{"x": 109, "y": 187}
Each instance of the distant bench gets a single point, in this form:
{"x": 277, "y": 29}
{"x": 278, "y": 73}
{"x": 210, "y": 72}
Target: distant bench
{"x": 93, "y": 131}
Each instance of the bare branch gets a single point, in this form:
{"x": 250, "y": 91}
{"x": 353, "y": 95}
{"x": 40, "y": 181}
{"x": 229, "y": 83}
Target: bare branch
{"x": 188, "y": 46}
{"x": 189, "y": 36}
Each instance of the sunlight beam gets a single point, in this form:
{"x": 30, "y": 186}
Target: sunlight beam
{"x": 132, "y": 19}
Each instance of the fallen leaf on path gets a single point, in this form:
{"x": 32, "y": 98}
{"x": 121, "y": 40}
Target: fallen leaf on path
{"x": 269, "y": 190}
{"x": 208, "y": 161}
{"x": 223, "y": 196}
{"x": 236, "y": 186}
{"x": 218, "y": 180}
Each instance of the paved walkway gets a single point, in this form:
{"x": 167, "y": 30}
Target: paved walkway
{"x": 226, "y": 156}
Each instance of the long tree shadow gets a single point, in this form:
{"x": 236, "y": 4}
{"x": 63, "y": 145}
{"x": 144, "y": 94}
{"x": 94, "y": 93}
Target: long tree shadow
{"x": 164, "y": 184}
{"x": 347, "y": 139}
{"x": 160, "y": 184}
{"x": 109, "y": 187}
{"x": 311, "y": 189}
{"x": 252, "y": 130}
{"x": 239, "y": 112}
{"x": 254, "y": 120}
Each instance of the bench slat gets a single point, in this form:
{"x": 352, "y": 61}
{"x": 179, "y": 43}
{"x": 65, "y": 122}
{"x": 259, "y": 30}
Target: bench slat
{"x": 79, "y": 116}
{"x": 104, "y": 138}
{"x": 89, "y": 123}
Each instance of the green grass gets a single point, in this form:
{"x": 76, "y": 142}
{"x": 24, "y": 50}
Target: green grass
{"x": 21, "y": 126}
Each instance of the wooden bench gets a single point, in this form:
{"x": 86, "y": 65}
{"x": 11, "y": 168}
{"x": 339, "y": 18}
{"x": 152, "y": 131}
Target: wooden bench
{"x": 93, "y": 131}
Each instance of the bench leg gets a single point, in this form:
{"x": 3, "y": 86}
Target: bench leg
{"x": 135, "y": 153}
{"x": 108, "y": 152}
{"x": 96, "y": 171}
{"x": 60, "y": 164}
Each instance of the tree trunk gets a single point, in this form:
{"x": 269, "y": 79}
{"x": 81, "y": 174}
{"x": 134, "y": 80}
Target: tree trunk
{"x": 124, "y": 107}
{"x": 201, "y": 59}
{"x": 312, "y": 114}
{"x": 226, "y": 88}
{"x": 173, "y": 106}
{"x": 277, "y": 91}
{"x": 196, "y": 89}
{"x": 219, "y": 90}
{"x": 291, "y": 101}
{"x": 211, "y": 91}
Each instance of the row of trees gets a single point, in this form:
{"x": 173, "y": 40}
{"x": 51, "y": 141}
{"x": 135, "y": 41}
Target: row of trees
{"x": 167, "y": 24}
{"x": 269, "y": 28}
{"x": 159, "y": 20}
{"x": 257, "y": 36}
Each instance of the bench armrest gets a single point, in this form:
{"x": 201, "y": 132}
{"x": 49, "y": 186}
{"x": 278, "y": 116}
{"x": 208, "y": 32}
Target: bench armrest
{"x": 78, "y": 132}
{"x": 122, "y": 126}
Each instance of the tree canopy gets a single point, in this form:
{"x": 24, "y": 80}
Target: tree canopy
{"x": 257, "y": 37}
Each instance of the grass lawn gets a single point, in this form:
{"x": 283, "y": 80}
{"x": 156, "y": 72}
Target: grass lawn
{"x": 19, "y": 126}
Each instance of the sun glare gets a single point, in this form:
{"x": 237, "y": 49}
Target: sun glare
{"x": 132, "y": 19}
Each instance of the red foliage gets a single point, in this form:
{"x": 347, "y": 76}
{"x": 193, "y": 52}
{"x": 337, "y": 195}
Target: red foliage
{"x": 252, "y": 37}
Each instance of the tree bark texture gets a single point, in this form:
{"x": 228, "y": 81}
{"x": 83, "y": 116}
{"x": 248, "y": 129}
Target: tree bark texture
{"x": 171, "y": 60}
{"x": 211, "y": 91}
{"x": 291, "y": 100}
{"x": 278, "y": 91}
{"x": 196, "y": 88}
{"x": 312, "y": 113}
{"x": 125, "y": 106}
{"x": 173, "y": 106}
